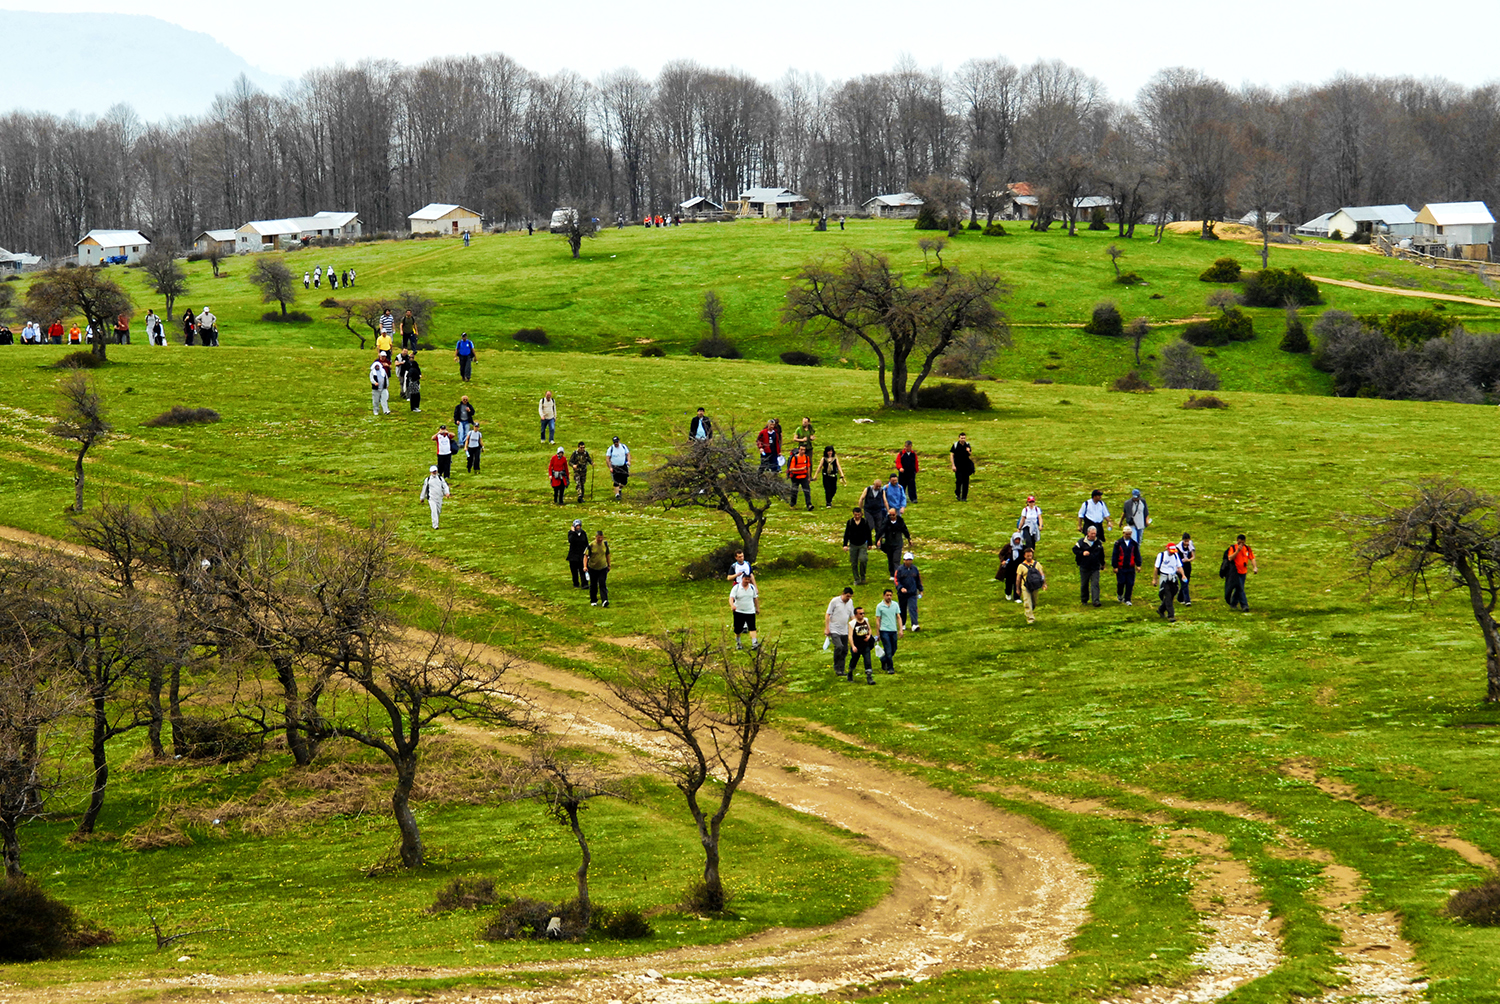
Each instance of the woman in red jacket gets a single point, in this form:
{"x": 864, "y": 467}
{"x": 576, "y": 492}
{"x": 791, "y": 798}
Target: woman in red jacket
{"x": 906, "y": 470}
{"x": 557, "y": 469}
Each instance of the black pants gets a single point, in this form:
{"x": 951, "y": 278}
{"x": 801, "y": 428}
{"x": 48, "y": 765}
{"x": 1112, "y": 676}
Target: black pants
{"x": 1125, "y": 582}
{"x": 961, "y": 485}
{"x": 1168, "y": 592}
{"x": 1183, "y": 592}
{"x": 840, "y": 652}
{"x": 471, "y": 459}
{"x": 445, "y": 465}
{"x": 830, "y": 487}
{"x": 575, "y": 565}
{"x": 557, "y": 492}
{"x": 892, "y": 559}
{"x": 414, "y": 396}
{"x": 599, "y": 585}
{"x": 908, "y": 480}
{"x": 409, "y": 341}
{"x": 805, "y": 486}
{"x": 858, "y": 652}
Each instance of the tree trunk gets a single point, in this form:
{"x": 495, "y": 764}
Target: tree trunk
{"x": 154, "y": 684}
{"x": 303, "y": 747}
{"x": 1265, "y": 244}
{"x": 78, "y": 478}
{"x": 101, "y": 767}
{"x": 12, "y": 847}
{"x": 98, "y": 349}
{"x": 1487, "y": 625}
{"x": 412, "y": 854}
{"x": 584, "y": 907}
{"x": 174, "y": 709}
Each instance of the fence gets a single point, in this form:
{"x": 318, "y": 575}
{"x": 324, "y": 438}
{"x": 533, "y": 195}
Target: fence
{"x": 1485, "y": 270}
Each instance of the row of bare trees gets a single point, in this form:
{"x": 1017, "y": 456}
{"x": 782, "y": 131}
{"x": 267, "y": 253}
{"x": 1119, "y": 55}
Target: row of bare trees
{"x": 488, "y": 133}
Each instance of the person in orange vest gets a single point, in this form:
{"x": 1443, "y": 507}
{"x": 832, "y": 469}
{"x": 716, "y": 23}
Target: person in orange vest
{"x": 799, "y": 469}
{"x": 75, "y": 336}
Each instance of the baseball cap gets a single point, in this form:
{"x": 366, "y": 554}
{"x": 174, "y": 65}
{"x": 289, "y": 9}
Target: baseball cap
{"x": 432, "y": 469}
{"x": 1031, "y": 498}
{"x": 617, "y": 439}
{"x": 1096, "y": 491}
{"x": 907, "y": 555}
{"x": 1171, "y": 547}
{"x": 559, "y": 450}
{"x": 1135, "y": 493}
{"x": 578, "y": 522}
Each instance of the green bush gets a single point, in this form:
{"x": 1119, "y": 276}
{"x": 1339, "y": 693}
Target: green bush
{"x": 518, "y": 918}
{"x": 531, "y": 336}
{"x": 653, "y": 351}
{"x": 799, "y": 358}
{"x": 83, "y": 360}
{"x": 1106, "y": 321}
{"x": 1129, "y": 279}
{"x": 703, "y": 899}
{"x": 928, "y": 219}
{"x": 1415, "y": 327}
{"x": 1206, "y": 401}
{"x": 716, "y": 347}
{"x": 465, "y": 894}
{"x": 34, "y": 926}
{"x": 1232, "y": 325}
{"x": 1222, "y": 270}
{"x": 627, "y": 924}
{"x": 1275, "y": 287}
{"x": 1295, "y": 339}
{"x": 1132, "y": 383}
{"x": 1098, "y": 219}
{"x": 994, "y": 229}
{"x": 952, "y": 397}
{"x": 179, "y": 415}
{"x": 973, "y": 225}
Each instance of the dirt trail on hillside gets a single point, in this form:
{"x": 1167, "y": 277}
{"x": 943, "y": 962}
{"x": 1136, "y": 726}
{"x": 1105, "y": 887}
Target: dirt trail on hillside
{"x": 1396, "y": 291}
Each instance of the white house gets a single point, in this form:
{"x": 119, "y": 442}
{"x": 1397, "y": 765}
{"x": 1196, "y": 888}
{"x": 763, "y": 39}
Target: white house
{"x": 18, "y": 261}
{"x": 1396, "y": 221}
{"x": 770, "y": 201}
{"x": 1465, "y": 228}
{"x": 1316, "y": 227}
{"x": 1275, "y": 222}
{"x": 264, "y": 235}
{"x": 222, "y": 240}
{"x": 97, "y": 245}
{"x": 445, "y": 218}
{"x": 699, "y": 205}
{"x": 901, "y": 205}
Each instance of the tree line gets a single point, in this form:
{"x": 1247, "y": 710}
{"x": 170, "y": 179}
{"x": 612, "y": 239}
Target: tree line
{"x": 486, "y": 132}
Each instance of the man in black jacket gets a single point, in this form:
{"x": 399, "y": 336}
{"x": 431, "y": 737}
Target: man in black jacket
{"x": 701, "y": 427}
{"x": 1089, "y": 553}
{"x": 1125, "y": 559}
{"x": 894, "y": 538}
{"x": 857, "y": 540}
{"x": 578, "y": 546}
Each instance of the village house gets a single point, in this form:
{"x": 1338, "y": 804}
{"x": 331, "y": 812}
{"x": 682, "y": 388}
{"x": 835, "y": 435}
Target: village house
{"x": 902, "y": 205}
{"x": 98, "y": 246}
{"x": 1275, "y": 222}
{"x": 265, "y": 235}
{"x": 699, "y": 205}
{"x": 1455, "y": 230}
{"x": 214, "y": 240}
{"x": 445, "y": 218}
{"x": 18, "y": 261}
{"x": 1393, "y": 221}
{"x": 1316, "y": 227}
{"x": 771, "y": 202}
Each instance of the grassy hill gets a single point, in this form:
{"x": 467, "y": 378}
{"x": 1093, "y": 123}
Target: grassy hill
{"x": 1107, "y": 706}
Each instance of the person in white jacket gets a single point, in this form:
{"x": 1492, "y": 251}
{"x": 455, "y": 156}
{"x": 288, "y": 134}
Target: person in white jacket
{"x": 380, "y": 389}
{"x": 434, "y": 490}
{"x": 546, "y": 410}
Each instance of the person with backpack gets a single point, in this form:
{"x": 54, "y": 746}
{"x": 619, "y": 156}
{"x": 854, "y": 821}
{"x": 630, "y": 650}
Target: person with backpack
{"x": 599, "y": 562}
{"x": 1030, "y": 523}
{"x": 799, "y": 472}
{"x": 1094, "y": 513}
{"x": 1088, "y": 553}
{"x": 1186, "y": 550}
{"x": 1168, "y": 574}
{"x": 1137, "y": 514}
{"x": 1125, "y": 558}
{"x": 833, "y": 473}
{"x": 1238, "y": 560}
{"x": 578, "y": 546}
{"x": 1031, "y": 578}
{"x": 1010, "y": 560}
{"x": 557, "y": 473}
{"x": 434, "y": 490}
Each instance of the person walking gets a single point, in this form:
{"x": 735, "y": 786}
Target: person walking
{"x": 617, "y": 458}
{"x": 306, "y": 280}
{"x": 580, "y": 461}
{"x": 804, "y": 436}
{"x": 894, "y": 538}
{"x": 599, "y": 561}
{"x": 1125, "y": 558}
{"x": 832, "y": 473}
{"x": 473, "y": 448}
{"x": 464, "y": 353}
{"x": 463, "y": 415}
{"x": 434, "y": 490}
{"x": 444, "y": 441}
{"x": 557, "y": 473}
{"x": 408, "y": 327}
{"x": 908, "y": 578}
{"x": 906, "y": 470}
{"x": 1030, "y": 523}
{"x": 380, "y": 389}
{"x": 961, "y": 463}
{"x": 872, "y": 501}
{"x": 413, "y": 380}
{"x": 318, "y": 277}
{"x": 701, "y": 427}
{"x": 1168, "y": 574}
{"x": 189, "y": 326}
{"x": 740, "y": 567}
{"x": 768, "y": 441}
{"x": 1031, "y": 579}
{"x": 799, "y": 472}
{"x": 578, "y": 546}
{"x": 387, "y": 337}
{"x": 1094, "y": 513}
{"x": 744, "y": 604}
{"x": 1137, "y": 514}
{"x": 857, "y": 541}
{"x": 836, "y": 628}
{"x": 1187, "y": 551}
{"x": 1010, "y": 560}
{"x": 861, "y": 644}
{"x": 1240, "y": 560}
{"x": 1089, "y": 554}
{"x": 888, "y": 625}
{"x": 895, "y": 496}
{"x": 208, "y": 328}
{"x": 546, "y": 410}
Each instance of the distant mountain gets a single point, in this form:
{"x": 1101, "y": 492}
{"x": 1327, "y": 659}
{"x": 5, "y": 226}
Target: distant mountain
{"x": 87, "y": 62}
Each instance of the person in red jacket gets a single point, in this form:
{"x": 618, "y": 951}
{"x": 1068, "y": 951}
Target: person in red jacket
{"x": 55, "y": 333}
{"x": 1125, "y": 558}
{"x": 769, "y": 441}
{"x": 557, "y": 470}
{"x": 906, "y": 470}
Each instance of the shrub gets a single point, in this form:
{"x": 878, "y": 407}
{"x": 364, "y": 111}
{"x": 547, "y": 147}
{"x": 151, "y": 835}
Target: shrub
{"x": 1098, "y": 219}
{"x": 966, "y": 357}
{"x": 531, "y": 336}
{"x": 994, "y": 229}
{"x": 216, "y": 739}
{"x": 1181, "y": 368}
{"x": 952, "y": 397}
{"x": 973, "y": 225}
{"x": 1413, "y": 327}
{"x": 792, "y": 562}
{"x": 928, "y": 219}
{"x": 1129, "y": 279}
{"x": 34, "y": 926}
{"x": 653, "y": 351}
{"x": 154, "y": 836}
{"x": 1478, "y": 905}
{"x": 465, "y": 894}
{"x": 1295, "y": 339}
{"x": 520, "y": 917}
{"x": 716, "y": 347}
{"x": 625, "y": 924}
{"x": 713, "y": 565}
{"x": 1222, "y": 270}
{"x": 1360, "y": 237}
{"x": 701, "y": 898}
{"x": 1232, "y": 325}
{"x": 179, "y": 415}
{"x": 291, "y": 317}
{"x": 82, "y": 360}
{"x": 1132, "y": 383}
{"x": 1206, "y": 401}
{"x": 1041, "y": 303}
{"x": 1276, "y": 287}
{"x": 799, "y": 358}
{"x": 1106, "y": 321}
{"x": 1336, "y": 235}
{"x": 329, "y": 302}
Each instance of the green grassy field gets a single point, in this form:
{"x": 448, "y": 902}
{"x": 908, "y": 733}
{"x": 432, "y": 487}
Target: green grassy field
{"x": 1109, "y": 705}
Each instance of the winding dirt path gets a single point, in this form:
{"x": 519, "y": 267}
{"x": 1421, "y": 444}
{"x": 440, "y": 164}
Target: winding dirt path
{"x": 1397, "y": 291}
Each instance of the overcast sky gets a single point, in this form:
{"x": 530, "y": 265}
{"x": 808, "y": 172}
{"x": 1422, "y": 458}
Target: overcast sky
{"x": 1273, "y": 42}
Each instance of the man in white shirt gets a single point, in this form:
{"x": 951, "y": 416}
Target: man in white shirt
{"x": 434, "y": 490}
{"x": 1094, "y": 513}
{"x": 546, "y": 410}
{"x": 1168, "y": 573}
{"x": 445, "y": 441}
{"x": 836, "y": 627}
{"x": 208, "y": 328}
{"x": 380, "y": 389}
{"x": 744, "y": 604}
{"x": 618, "y": 459}
{"x": 740, "y": 567}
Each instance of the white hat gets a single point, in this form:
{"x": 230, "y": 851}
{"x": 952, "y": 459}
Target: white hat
{"x": 432, "y": 469}
{"x": 907, "y": 556}
{"x": 559, "y": 449}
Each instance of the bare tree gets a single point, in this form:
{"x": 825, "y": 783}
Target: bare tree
{"x": 347, "y": 310}
{"x": 713, "y": 312}
{"x": 1445, "y": 534}
{"x": 1136, "y": 331}
{"x": 708, "y": 709}
{"x": 718, "y": 474}
{"x": 576, "y": 227}
{"x": 1192, "y": 117}
{"x": 275, "y": 281}
{"x": 65, "y": 292}
{"x": 858, "y": 298}
{"x": 82, "y": 420}
{"x": 164, "y": 274}
{"x": 1115, "y": 254}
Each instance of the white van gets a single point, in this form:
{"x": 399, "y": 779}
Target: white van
{"x": 561, "y": 218}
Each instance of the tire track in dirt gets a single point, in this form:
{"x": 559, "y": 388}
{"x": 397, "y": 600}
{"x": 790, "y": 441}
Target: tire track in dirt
{"x": 1397, "y": 291}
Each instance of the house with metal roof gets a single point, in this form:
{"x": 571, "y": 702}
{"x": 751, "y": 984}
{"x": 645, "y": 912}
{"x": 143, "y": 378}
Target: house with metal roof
{"x": 264, "y": 235}
{"x": 1463, "y": 229}
{"x": 220, "y": 240}
{"x": 901, "y": 205}
{"x": 1395, "y": 221}
{"x": 97, "y": 246}
{"x": 771, "y": 202}
{"x": 1275, "y": 222}
{"x": 18, "y": 261}
{"x": 1316, "y": 227}
{"x": 445, "y": 218}
{"x": 699, "y": 205}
